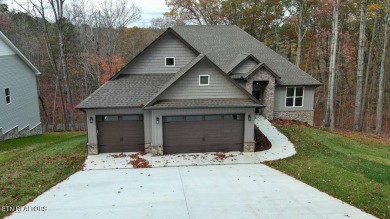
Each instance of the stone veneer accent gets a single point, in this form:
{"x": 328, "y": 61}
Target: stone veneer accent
{"x": 156, "y": 149}
{"x": 268, "y": 95}
{"x": 92, "y": 149}
{"x": 249, "y": 146}
{"x": 148, "y": 148}
{"x": 15, "y": 133}
{"x": 303, "y": 115}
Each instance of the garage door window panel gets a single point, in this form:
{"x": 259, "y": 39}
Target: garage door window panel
{"x": 132, "y": 118}
{"x": 194, "y": 118}
{"x": 213, "y": 117}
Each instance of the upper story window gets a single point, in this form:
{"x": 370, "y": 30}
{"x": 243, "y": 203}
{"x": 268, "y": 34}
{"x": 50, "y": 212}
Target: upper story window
{"x": 169, "y": 61}
{"x": 7, "y": 96}
{"x": 204, "y": 79}
{"x": 294, "y": 96}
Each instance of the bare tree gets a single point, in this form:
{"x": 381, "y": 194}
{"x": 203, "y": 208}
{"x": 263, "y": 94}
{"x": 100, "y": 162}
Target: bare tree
{"x": 329, "y": 116}
{"x": 357, "y": 126}
{"x": 301, "y": 30}
{"x": 368, "y": 69}
{"x": 379, "y": 106}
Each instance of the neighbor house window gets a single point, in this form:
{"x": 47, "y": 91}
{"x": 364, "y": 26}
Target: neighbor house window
{"x": 204, "y": 79}
{"x": 294, "y": 97}
{"x": 169, "y": 61}
{"x": 7, "y": 96}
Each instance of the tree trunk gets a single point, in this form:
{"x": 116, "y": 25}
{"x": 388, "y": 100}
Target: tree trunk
{"x": 300, "y": 37}
{"x": 54, "y": 65}
{"x": 357, "y": 126}
{"x": 379, "y": 106}
{"x": 57, "y": 7}
{"x": 329, "y": 116}
{"x": 368, "y": 69}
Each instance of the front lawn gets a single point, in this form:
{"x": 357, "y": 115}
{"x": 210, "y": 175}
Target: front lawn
{"x": 350, "y": 166}
{"x": 29, "y": 166}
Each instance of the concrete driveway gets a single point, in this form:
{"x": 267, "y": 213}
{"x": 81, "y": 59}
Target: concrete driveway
{"x": 218, "y": 191}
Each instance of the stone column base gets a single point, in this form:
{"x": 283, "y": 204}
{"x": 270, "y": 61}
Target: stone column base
{"x": 249, "y": 146}
{"x": 148, "y": 148}
{"x": 156, "y": 149}
{"x": 92, "y": 149}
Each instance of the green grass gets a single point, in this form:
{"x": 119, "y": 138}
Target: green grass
{"x": 352, "y": 167}
{"x": 30, "y": 166}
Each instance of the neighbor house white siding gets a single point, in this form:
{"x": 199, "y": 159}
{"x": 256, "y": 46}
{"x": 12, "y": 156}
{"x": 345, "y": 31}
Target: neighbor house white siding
{"x": 23, "y": 111}
{"x": 4, "y": 49}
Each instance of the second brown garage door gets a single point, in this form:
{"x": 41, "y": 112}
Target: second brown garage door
{"x": 120, "y": 133}
{"x": 203, "y": 133}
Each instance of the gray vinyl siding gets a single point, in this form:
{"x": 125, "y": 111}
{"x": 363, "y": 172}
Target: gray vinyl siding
{"x": 152, "y": 60}
{"x": 188, "y": 86}
{"x": 91, "y": 127}
{"x": 4, "y": 49}
{"x": 241, "y": 82}
{"x": 23, "y": 111}
{"x": 280, "y": 99}
{"x": 245, "y": 66}
{"x": 157, "y": 130}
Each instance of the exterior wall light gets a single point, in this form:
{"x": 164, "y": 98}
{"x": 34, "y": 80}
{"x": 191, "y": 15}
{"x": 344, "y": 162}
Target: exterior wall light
{"x": 91, "y": 119}
{"x": 157, "y": 120}
{"x": 249, "y": 117}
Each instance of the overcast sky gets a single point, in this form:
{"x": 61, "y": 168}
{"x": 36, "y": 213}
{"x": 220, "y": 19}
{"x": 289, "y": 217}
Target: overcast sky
{"x": 149, "y": 8}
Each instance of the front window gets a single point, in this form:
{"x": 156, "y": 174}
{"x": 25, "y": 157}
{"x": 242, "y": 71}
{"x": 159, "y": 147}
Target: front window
{"x": 7, "y": 96}
{"x": 169, "y": 61}
{"x": 204, "y": 80}
{"x": 294, "y": 97}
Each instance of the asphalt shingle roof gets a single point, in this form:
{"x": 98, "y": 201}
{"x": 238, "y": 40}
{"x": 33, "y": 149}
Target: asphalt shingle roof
{"x": 203, "y": 103}
{"x": 126, "y": 91}
{"x": 222, "y": 44}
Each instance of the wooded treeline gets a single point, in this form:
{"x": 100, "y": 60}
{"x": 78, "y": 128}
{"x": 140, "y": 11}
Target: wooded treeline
{"x": 343, "y": 44}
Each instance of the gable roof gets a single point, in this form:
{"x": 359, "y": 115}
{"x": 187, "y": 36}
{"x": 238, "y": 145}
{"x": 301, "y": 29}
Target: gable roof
{"x": 186, "y": 69}
{"x": 223, "y": 44}
{"x": 19, "y": 54}
{"x": 167, "y": 31}
{"x": 126, "y": 91}
{"x": 239, "y": 59}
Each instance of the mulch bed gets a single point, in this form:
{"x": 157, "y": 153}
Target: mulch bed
{"x": 262, "y": 142}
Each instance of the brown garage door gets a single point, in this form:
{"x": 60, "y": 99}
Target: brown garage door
{"x": 203, "y": 133}
{"x": 120, "y": 133}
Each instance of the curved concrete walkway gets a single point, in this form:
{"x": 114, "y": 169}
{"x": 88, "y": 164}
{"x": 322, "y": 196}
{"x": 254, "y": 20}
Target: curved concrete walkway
{"x": 281, "y": 146}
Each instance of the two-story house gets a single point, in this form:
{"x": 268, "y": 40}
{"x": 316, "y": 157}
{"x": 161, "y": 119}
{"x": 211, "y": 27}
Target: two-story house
{"x": 196, "y": 89}
{"x": 19, "y": 107}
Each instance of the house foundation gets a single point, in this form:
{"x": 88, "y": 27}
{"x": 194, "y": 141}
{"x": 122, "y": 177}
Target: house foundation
{"x": 249, "y": 146}
{"x": 306, "y": 116}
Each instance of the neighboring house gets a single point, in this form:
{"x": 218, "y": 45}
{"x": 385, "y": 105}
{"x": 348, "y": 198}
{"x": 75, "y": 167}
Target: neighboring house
{"x": 19, "y": 108}
{"x": 196, "y": 89}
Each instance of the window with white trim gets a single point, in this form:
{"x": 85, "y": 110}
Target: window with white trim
{"x": 204, "y": 79}
{"x": 7, "y": 96}
{"x": 169, "y": 61}
{"x": 294, "y": 96}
